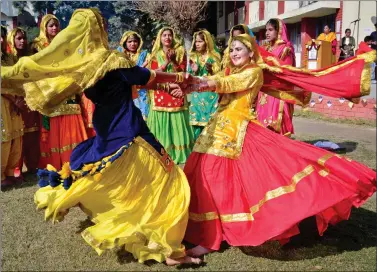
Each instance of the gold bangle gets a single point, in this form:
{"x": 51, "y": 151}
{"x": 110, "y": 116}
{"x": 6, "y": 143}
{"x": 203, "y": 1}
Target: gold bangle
{"x": 179, "y": 77}
{"x": 182, "y": 77}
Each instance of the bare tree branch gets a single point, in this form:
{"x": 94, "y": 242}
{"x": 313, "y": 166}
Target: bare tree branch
{"x": 181, "y": 15}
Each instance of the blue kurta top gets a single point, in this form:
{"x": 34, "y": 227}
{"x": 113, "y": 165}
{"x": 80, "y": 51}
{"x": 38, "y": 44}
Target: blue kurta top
{"x": 116, "y": 120}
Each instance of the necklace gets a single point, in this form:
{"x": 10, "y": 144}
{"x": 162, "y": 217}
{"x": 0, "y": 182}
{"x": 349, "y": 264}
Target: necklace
{"x": 203, "y": 58}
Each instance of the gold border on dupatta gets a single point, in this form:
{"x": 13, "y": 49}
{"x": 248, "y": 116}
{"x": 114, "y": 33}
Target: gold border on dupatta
{"x": 280, "y": 116}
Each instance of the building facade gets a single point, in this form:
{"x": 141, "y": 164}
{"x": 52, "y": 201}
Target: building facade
{"x": 11, "y": 17}
{"x": 304, "y": 19}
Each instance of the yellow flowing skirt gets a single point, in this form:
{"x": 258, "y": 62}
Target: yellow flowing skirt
{"x": 137, "y": 204}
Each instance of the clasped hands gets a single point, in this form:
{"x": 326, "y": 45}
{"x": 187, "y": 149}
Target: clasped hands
{"x": 189, "y": 85}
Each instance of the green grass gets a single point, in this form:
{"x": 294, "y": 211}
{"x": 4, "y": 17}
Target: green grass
{"x": 29, "y": 243}
{"x": 319, "y": 116}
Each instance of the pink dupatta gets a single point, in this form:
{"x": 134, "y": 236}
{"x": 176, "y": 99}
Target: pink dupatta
{"x": 272, "y": 112}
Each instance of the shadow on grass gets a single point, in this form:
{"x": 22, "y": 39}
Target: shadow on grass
{"x": 125, "y": 257}
{"x": 352, "y": 235}
{"x": 29, "y": 181}
{"x": 84, "y": 225}
{"x": 345, "y": 147}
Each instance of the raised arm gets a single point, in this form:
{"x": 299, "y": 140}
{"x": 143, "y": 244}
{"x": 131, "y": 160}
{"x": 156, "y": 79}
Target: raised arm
{"x": 238, "y": 82}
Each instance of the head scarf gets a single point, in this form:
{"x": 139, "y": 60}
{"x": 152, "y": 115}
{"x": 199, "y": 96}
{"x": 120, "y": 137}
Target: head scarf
{"x": 226, "y": 51}
{"x": 123, "y": 48}
{"x": 282, "y": 32}
{"x": 252, "y": 45}
{"x": 11, "y": 49}
{"x": 211, "y": 47}
{"x": 126, "y": 35}
{"x": 75, "y": 60}
{"x": 42, "y": 40}
{"x": 176, "y": 45}
{"x": 282, "y": 45}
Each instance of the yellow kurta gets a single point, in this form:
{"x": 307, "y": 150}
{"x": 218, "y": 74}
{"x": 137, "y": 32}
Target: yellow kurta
{"x": 12, "y": 129}
{"x": 225, "y": 132}
{"x": 12, "y": 125}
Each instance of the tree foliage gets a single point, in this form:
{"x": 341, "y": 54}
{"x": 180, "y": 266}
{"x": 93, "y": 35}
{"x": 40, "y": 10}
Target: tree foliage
{"x": 181, "y": 15}
{"x": 144, "y": 17}
{"x": 39, "y": 7}
{"x": 20, "y": 5}
{"x": 31, "y": 32}
{"x": 65, "y": 9}
{"x": 128, "y": 17}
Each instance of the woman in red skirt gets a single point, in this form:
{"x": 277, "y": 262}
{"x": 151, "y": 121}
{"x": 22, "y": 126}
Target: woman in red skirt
{"x": 249, "y": 184}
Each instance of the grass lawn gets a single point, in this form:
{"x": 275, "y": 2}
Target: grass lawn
{"x": 31, "y": 244}
{"x": 319, "y": 116}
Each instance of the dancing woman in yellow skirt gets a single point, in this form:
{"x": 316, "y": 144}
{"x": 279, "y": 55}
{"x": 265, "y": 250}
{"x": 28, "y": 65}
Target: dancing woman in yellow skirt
{"x": 122, "y": 178}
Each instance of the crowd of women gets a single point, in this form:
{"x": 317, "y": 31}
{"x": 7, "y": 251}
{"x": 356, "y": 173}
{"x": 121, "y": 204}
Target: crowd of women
{"x": 245, "y": 182}
{"x": 177, "y": 123}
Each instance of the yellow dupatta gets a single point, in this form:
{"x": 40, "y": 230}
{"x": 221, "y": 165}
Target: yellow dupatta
{"x": 10, "y": 40}
{"x": 176, "y": 45}
{"x": 75, "y": 60}
{"x": 42, "y": 41}
{"x": 225, "y": 61}
{"x": 210, "y": 48}
{"x": 328, "y": 38}
{"x": 126, "y": 35}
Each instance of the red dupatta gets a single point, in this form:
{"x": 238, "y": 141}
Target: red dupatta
{"x": 363, "y": 48}
{"x": 348, "y": 79}
{"x": 282, "y": 48}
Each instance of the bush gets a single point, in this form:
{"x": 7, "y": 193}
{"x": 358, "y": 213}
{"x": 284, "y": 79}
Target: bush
{"x": 31, "y": 32}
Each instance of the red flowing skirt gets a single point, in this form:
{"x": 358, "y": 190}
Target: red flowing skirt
{"x": 276, "y": 183}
